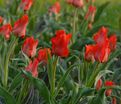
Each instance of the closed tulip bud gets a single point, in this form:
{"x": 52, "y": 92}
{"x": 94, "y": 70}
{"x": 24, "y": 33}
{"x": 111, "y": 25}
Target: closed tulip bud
{"x": 1, "y": 19}
{"x": 99, "y": 84}
{"x": 76, "y": 3}
{"x": 108, "y": 92}
{"x": 114, "y": 101}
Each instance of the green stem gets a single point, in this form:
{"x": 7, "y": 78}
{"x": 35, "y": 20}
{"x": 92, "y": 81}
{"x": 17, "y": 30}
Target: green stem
{"x": 74, "y": 26}
{"x": 86, "y": 71}
{"x": 92, "y": 77}
{"x": 54, "y": 75}
{"x": 82, "y": 72}
{"x": 10, "y": 50}
{"x": 23, "y": 90}
{"x": 79, "y": 75}
{"x": 63, "y": 78}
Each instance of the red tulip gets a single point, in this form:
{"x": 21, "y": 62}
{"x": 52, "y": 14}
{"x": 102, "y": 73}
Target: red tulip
{"x": 20, "y": 25}
{"x": 90, "y": 13}
{"x": 112, "y": 42}
{"x": 108, "y": 84}
{"x": 55, "y": 8}
{"x": 6, "y": 30}
{"x": 1, "y": 19}
{"x": 97, "y": 52}
{"x": 43, "y": 55}
{"x": 93, "y": 1}
{"x": 99, "y": 84}
{"x": 101, "y": 36}
{"x": 89, "y": 53}
{"x": 76, "y": 3}
{"x": 103, "y": 47}
{"x": 70, "y": 1}
{"x": 60, "y": 43}
{"x": 29, "y": 46}
{"x": 32, "y": 67}
{"x": 90, "y": 0}
{"x": 26, "y": 4}
{"x": 114, "y": 101}
{"x": 90, "y": 25}
{"x": 102, "y": 52}
{"x": 87, "y": 1}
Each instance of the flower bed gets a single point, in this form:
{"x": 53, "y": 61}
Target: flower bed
{"x": 60, "y": 56}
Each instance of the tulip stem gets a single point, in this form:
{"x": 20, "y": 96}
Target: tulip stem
{"x": 6, "y": 64}
{"x": 23, "y": 91}
{"x": 74, "y": 26}
{"x": 92, "y": 77}
{"x": 54, "y": 74}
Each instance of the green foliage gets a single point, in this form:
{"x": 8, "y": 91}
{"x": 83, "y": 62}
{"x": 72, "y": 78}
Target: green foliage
{"x": 61, "y": 80}
{"x": 8, "y": 98}
{"x": 40, "y": 85}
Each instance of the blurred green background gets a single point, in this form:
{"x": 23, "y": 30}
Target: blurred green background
{"x": 111, "y": 15}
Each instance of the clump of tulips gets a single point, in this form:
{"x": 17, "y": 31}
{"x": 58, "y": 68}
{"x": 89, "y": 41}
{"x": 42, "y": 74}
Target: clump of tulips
{"x": 60, "y": 63}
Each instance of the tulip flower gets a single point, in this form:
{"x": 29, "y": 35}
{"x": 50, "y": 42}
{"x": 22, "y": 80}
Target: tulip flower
{"x": 90, "y": 0}
{"x": 101, "y": 36}
{"x": 76, "y": 3}
{"x": 43, "y": 55}
{"x": 112, "y": 42}
{"x": 69, "y": 1}
{"x": 55, "y": 8}
{"x": 20, "y": 25}
{"x": 26, "y": 4}
{"x": 102, "y": 48}
{"x": 29, "y": 46}
{"x": 60, "y": 43}
{"x": 90, "y": 25}
{"x": 114, "y": 101}
{"x": 99, "y": 84}
{"x": 1, "y": 19}
{"x": 108, "y": 84}
{"x": 102, "y": 52}
{"x": 90, "y": 13}
{"x": 89, "y": 53}
{"x": 97, "y": 52}
{"x": 6, "y": 30}
{"x": 32, "y": 67}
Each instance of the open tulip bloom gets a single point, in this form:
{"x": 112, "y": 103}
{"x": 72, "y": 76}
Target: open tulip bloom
{"x": 57, "y": 52}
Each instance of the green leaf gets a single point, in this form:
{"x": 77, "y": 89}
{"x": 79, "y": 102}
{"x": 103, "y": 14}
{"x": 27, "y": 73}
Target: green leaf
{"x": 102, "y": 73}
{"x": 86, "y": 91}
{"x": 8, "y": 98}
{"x": 120, "y": 23}
{"x": 100, "y": 98}
{"x": 50, "y": 69}
{"x": 117, "y": 88}
{"x": 83, "y": 92}
{"x": 16, "y": 82}
{"x": 100, "y": 11}
{"x": 63, "y": 78}
{"x": 40, "y": 85}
